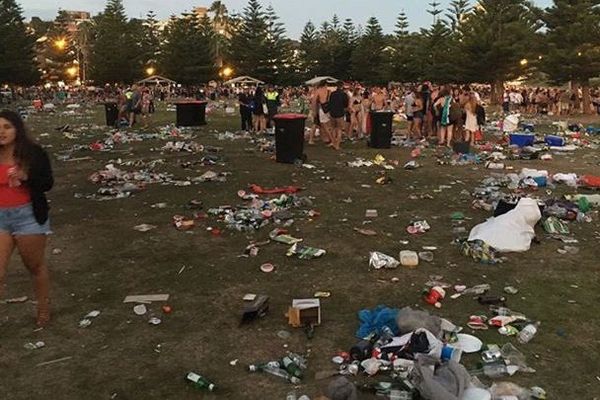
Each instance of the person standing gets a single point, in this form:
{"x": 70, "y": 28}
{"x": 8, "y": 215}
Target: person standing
{"x": 338, "y": 105}
{"x": 322, "y": 99}
{"x": 418, "y": 110}
{"x": 245, "y": 109}
{"x": 409, "y": 103}
{"x": 272, "y": 97}
{"x": 135, "y": 105}
{"x": 25, "y": 176}
{"x": 355, "y": 114}
{"x": 471, "y": 124}
{"x": 259, "y": 110}
{"x": 146, "y": 105}
{"x": 446, "y": 130}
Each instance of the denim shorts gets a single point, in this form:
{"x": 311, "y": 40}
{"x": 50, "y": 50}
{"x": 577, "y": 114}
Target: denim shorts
{"x": 21, "y": 221}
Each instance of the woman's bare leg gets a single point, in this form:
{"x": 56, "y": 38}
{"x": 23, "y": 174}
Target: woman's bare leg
{"x": 32, "y": 249}
{"x": 7, "y": 245}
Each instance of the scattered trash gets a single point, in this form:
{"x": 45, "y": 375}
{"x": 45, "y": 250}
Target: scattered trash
{"x": 144, "y": 227}
{"x": 87, "y": 320}
{"x": 34, "y": 346}
{"x": 305, "y": 252}
{"x": 379, "y": 260}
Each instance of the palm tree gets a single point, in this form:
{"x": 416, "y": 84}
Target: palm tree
{"x": 220, "y": 22}
{"x": 220, "y": 15}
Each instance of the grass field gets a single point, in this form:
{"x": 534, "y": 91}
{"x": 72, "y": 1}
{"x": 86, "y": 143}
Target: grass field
{"x": 103, "y": 259}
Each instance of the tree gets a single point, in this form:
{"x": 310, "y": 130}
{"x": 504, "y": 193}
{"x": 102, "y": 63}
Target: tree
{"x": 57, "y": 53}
{"x": 111, "y": 57}
{"x": 187, "y": 54}
{"x": 368, "y": 57}
{"x": 17, "y": 51}
{"x": 434, "y": 10}
{"x": 248, "y": 42}
{"x": 573, "y": 43}
{"x": 150, "y": 43}
{"x": 220, "y": 15}
{"x": 401, "y": 26}
{"x": 436, "y": 51}
{"x": 403, "y": 65}
{"x": 457, "y": 13}
{"x": 221, "y": 27}
{"x": 309, "y": 41}
{"x": 277, "y": 55}
{"x": 497, "y": 35}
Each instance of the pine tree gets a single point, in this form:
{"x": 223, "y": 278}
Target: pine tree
{"x": 402, "y": 65}
{"x": 368, "y": 57}
{"x": 111, "y": 57}
{"x": 150, "y": 42}
{"x": 401, "y": 26}
{"x": 458, "y": 11}
{"x": 573, "y": 43}
{"x": 434, "y": 10}
{"x": 309, "y": 41}
{"x": 17, "y": 51}
{"x": 277, "y": 56}
{"x": 497, "y": 35}
{"x": 187, "y": 54}
{"x": 248, "y": 43}
{"x": 436, "y": 52}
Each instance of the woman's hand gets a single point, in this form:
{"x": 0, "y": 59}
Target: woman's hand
{"x": 16, "y": 175}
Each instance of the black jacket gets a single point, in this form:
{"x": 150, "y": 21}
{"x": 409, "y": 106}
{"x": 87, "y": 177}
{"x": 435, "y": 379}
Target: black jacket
{"x": 39, "y": 181}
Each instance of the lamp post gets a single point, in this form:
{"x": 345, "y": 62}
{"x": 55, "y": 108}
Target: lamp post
{"x": 150, "y": 71}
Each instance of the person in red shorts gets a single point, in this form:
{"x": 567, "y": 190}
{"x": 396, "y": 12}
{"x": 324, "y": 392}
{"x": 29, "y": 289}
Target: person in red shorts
{"x": 25, "y": 176}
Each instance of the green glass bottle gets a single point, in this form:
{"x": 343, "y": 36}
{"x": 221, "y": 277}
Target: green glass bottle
{"x": 291, "y": 367}
{"x": 200, "y": 382}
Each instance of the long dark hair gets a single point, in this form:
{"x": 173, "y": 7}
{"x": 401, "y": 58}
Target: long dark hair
{"x": 24, "y": 145}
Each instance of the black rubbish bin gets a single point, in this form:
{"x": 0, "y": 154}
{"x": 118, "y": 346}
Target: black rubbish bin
{"x": 112, "y": 113}
{"x": 191, "y": 113}
{"x": 381, "y": 129}
{"x": 289, "y": 137}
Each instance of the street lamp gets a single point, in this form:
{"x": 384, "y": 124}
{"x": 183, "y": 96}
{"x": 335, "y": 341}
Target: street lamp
{"x": 72, "y": 71}
{"x": 150, "y": 71}
{"x": 523, "y": 62}
{"x": 60, "y": 44}
{"x": 227, "y": 72}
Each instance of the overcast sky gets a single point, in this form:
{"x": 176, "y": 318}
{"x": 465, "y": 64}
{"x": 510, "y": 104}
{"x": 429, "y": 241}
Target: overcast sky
{"x": 294, "y": 14}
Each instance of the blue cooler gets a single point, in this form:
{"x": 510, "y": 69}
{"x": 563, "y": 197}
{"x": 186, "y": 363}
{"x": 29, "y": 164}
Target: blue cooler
{"x": 555, "y": 141}
{"x": 592, "y": 131}
{"x": 521, "y": 139}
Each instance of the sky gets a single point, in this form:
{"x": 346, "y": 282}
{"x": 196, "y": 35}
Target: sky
{"x": 294, "y": 14}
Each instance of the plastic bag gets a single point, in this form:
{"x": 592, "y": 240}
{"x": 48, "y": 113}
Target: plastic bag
{"x": 379, "y": 260}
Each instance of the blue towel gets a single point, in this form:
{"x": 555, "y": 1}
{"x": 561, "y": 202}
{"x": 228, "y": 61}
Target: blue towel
{"x": 374, "y": 320}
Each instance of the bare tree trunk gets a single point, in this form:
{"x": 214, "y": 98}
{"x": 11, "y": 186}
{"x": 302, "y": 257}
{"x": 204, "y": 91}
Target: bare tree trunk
{"x": 585, "y": 88}
{"x": 497, "y": 92}
{"x": 575, "y": 90}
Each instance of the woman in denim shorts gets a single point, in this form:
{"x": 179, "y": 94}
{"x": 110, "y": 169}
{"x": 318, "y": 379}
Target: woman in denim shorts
{"x": 25, "y": 175}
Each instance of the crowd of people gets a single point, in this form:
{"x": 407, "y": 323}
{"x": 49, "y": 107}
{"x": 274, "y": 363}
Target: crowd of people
{"x": 448, "y": 113}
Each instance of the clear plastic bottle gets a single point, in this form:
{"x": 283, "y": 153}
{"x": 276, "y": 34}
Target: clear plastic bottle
{"x": 495, "y": 370}
{"x": 282, "y": 374}
{"x": 528, "y": 333}
{"x": 262, "y": 367}
{"x": 291, "y": 396}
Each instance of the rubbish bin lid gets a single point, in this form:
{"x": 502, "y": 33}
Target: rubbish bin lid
{"x": 290, "y": 116}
